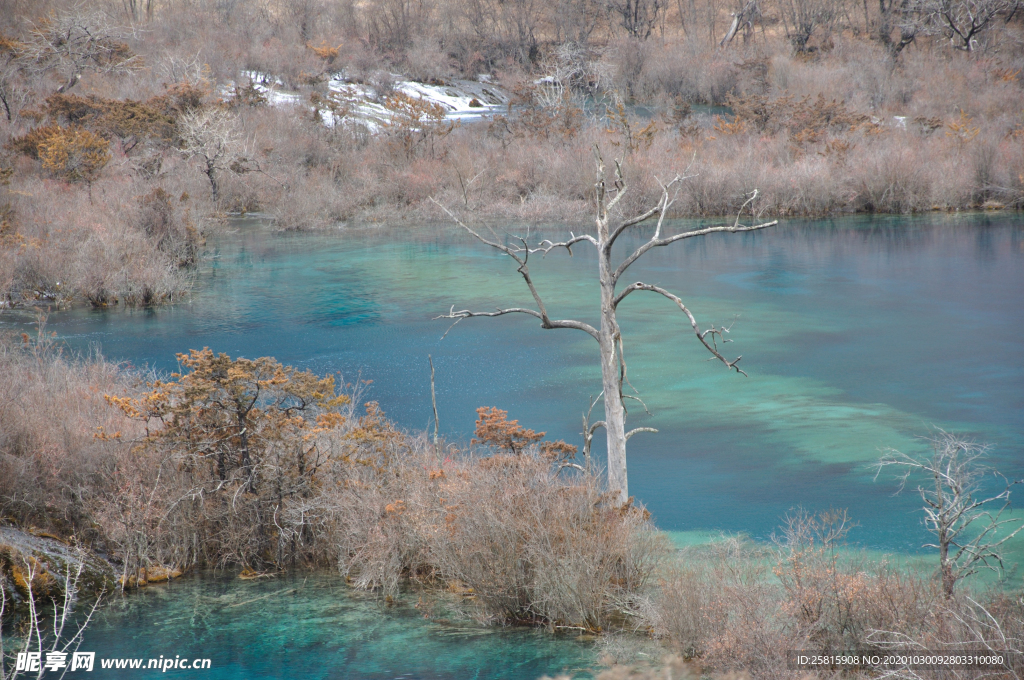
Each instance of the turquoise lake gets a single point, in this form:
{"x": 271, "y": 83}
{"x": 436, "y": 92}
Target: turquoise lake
{"x": 858, "y": 334}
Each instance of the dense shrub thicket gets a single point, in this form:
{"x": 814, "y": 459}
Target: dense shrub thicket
{"x": 256, "y": 465}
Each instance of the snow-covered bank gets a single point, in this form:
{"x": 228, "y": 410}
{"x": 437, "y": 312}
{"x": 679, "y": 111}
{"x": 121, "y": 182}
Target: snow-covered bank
{"x": 362, "y": 105}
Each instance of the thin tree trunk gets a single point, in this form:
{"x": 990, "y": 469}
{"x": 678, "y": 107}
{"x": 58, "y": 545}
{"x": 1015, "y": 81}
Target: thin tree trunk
{"x": 7, "y": 107}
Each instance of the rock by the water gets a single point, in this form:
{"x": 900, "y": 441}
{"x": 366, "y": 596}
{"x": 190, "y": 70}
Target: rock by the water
{"x": 50, "y": 560}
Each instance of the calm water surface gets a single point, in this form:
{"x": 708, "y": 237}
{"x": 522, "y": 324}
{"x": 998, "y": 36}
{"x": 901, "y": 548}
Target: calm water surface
{"x": 858, "y": 335}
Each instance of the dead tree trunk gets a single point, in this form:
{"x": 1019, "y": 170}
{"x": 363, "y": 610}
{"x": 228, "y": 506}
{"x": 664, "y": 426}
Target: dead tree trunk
{"x": 607, "y": 333}
{"x": 610, "y": 341}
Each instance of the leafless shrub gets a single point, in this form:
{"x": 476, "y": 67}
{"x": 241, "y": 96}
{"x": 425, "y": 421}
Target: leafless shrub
{"x": 50, "y": 406}
{"x": 955, "y": 498}
{"x": 211, "y": 135}
{"x": 75, "y": 40}
{"x": 45, "y": 629}
{"x": 99, "y": 254}
{"x": 506, "y": 531}
{"x": 542, "y": 549}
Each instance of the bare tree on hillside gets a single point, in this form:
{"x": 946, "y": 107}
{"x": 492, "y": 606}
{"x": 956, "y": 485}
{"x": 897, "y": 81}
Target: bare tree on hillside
{"x": 639, "y": 17}
{"x": 575, "y": 20}
{"x": 968, "y": 533}
{"x": 742, "y": 19}
{"x": 393, "y": 24}
{"x": 961, "y": 21}
{"x": 74, "y": 41}
{"x": 11, "y": 89}
{"x": 510, "y": 28}
{"x": 211, "y": 135}
{"x": 306, "y": 14}
{"x": 607, "y": 333}
{"x": 136, "y": 9}
{"x": 802, "y": 17}
{"x": 897, "y": 15}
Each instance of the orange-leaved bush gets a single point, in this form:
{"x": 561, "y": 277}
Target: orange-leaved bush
{"x": 493, "y": 428}
{"x": 74, "y": 154}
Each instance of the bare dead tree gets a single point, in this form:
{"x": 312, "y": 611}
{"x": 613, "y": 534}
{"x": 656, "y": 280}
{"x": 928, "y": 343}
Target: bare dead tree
{"x": 74, "y": 41}
{"x": 211, "y": 135}
{"x": 607, "y": 333}
{"x": 742, "y": 19}
{"x": 954, "y": 500}
{"x": 961, "y": 21}
{"x": 639, "y": 17}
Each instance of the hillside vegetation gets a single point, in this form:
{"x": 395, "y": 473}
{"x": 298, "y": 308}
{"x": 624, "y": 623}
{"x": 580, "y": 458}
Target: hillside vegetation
{"x": 128, "y": 129}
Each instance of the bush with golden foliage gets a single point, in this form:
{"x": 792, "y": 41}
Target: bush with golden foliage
{"x": 239, "y": 429}
{"x": 74, "y": 154}
{"x": 415, "y": 122}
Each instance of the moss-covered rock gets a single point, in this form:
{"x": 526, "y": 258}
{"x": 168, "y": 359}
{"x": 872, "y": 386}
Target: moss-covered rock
{"x": 48, "y": 559}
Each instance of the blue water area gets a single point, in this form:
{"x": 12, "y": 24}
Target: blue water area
{"x": 858, "y": 334}
{"x": 316, "y": 627}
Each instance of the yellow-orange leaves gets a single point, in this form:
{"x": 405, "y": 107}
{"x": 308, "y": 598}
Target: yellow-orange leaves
{"x": 74, "y": 154}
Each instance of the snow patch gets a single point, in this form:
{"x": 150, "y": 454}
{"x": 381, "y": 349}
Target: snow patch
{"x": 357, "y": 104}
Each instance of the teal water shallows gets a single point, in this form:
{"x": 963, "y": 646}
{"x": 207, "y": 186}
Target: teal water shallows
{"x": 858, "y": 334}
{"x": 313, "y": 627}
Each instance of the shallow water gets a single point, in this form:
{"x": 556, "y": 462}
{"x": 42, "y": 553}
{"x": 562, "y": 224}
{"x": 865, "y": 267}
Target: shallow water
{"x": 858, "y": 334}
{"x": 314, "y": 627}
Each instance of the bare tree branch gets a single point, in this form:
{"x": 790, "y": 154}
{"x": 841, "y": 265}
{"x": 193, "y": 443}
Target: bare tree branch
{"x": 713, "y": 333}
{"x": 545, "y": 322}
{"x": 541, "y": 313}
{"x": 638, "y": 430}
{"x": 656, "y": 242}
